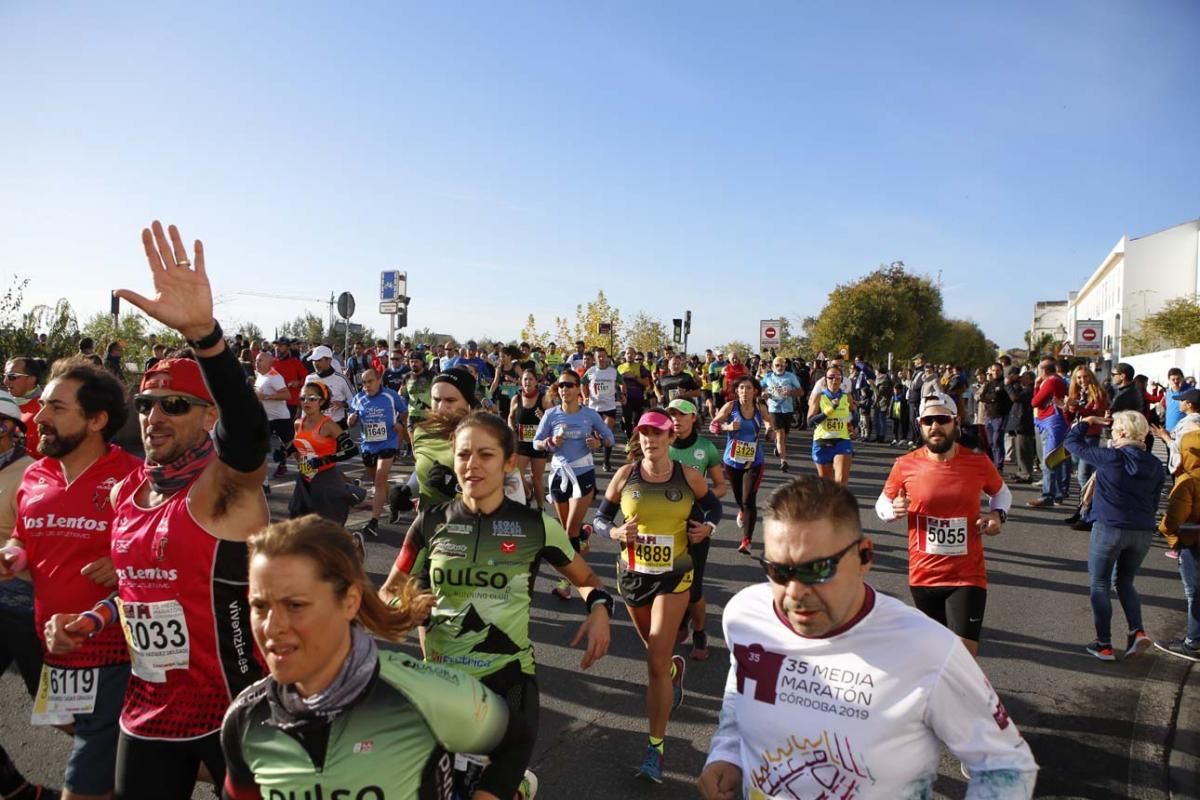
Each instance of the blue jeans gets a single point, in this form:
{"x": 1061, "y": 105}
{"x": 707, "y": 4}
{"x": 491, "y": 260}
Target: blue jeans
{"x": 1084, "y": 470}
{"x": 995, "y": 434}
{"x": 1187, "y": 574}
{"x": 1056, "y": 481}
{"x": 1124, "y": 549}
{"x": 880, "y": 426}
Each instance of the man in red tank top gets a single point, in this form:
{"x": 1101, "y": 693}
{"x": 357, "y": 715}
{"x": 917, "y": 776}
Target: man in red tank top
{"x": 179, "y": 539}
{"x": 63, "y": 527}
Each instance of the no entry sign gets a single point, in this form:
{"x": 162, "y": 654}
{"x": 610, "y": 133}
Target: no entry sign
{"x": 768, "y": 333}
{"x": 1089, "y": 337}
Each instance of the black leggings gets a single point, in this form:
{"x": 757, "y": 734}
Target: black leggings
{"x": 156, "y": 769}
{"x": 20, "y": 644}
{"x": 745, "y": 482}
{"x": 959, "y": 608}
{"x": 629, "y": 415}
{"x": 502, "y": 776}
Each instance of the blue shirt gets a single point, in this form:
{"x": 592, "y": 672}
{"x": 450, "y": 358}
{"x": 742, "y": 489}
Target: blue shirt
{"x": 575, "y": 430}
{"x": 1174, "y": 412}
{"x": 482, "y": 368}
{"x": 377, "y": 415}
{"x": 776, "y": 387}
{"x": 742, "y": 448}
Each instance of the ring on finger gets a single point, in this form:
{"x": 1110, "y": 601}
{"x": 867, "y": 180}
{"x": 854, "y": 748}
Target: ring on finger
{"x": 183, "y": 262}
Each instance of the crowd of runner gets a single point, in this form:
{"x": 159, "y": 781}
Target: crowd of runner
{"x": 162, "y": 620}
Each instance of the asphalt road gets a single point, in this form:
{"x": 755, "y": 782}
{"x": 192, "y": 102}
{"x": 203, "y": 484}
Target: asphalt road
{"x": 1098, "y": 730}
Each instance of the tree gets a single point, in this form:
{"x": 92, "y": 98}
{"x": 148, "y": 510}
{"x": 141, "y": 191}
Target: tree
{"x": 737, "y": 346}
{"x": 20, "y": 331}
{"x": 562, "y": 336}
{"x": 888, "y": 311}
{"x": 1176, "y": 324}
{"x": 964, "y": 344}
{"x": 587, "y": 322}
{"x": 307, "y": 328}
{"x": 1042, "y": 345}
{"x": 250, "y": 332}
{"x": 531, "y": 334}
{"x": 133, "y": 331}
{"x": 644, "y": 333}
{"x": 790, "y": 345}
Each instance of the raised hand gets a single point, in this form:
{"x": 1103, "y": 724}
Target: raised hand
{"x": 182, "y": 294}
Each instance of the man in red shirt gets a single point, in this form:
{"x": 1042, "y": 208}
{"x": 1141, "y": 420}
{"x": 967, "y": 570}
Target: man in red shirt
{"x": 1049, "y": 397}
{"x": 936, "y": 488}
{"x": 734, "y": 370}
{"x": 22, "y": 376}
{"x": 293, "y": 371}
{"x": 61, "y": 539}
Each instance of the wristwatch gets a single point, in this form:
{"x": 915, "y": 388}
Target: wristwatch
{"x": 1003, "y": 515}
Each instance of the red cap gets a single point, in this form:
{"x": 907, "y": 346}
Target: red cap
{"x": 179, "y": 375}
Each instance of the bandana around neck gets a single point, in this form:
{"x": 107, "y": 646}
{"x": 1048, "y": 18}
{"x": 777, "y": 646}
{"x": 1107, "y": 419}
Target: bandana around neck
{"x": 170, "y": 478}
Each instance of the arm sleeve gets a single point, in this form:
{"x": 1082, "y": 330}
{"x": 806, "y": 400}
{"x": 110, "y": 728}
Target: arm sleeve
{"x": 891, "y": 488}
{"x": 242, "y": 433}
{"x": 463, "y": 714}
{"x": 605, "y": 514}
{"x": 412, "y": 553}
{"x": 965, "y": 713}
{"x": 726, "y": 742}
{"x": 557, "y": 551}
{"x": 346, "y": 448}
{"x": 1001, "y": 500}
{"x": 711, "y": 507}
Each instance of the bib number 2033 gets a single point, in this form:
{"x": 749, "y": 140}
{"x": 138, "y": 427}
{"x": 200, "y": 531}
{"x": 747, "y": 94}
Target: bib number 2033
{"x": 157, "y": 635}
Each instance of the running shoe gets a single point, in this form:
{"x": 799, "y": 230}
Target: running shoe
{"x": 677, "y": 681}
{"x": 1172, "y": 554}
{"x": 744, "y": 547}
{"x": 371, "y": 528}
{"x": 1180, "y": 648}
{"x": 783, "y": 466}
{"x": 699, "y": 646}
{"x": 651, "y": 768}
{"x": 281, "y": 470}
{"x": 529, "y": 786}
{"x": 1102, "y": 651}
{"x": 1137, "y": 642}
{"x": 741, "y": 519}
{"x": 1041, "y": 502}
{"x": 585, "y": 536}
{"x": 563, "y": 590}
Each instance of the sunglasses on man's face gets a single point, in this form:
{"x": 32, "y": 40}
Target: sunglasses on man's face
{"x": 936, "y": 419}
{"x": 173, "y": 405}
{"x": 817, "y": 571}
{"x": 12, "y": 376}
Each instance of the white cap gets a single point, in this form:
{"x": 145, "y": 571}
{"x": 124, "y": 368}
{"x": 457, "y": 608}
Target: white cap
{"x": 319, "y": 352}
{"x": 938, "y": 400}
{"x": 9, "y": 407}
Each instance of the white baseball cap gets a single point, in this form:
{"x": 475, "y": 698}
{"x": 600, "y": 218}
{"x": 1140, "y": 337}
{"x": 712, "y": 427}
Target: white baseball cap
{"x": 9, "y": 407}
{"x": 321, "y": 351}
{"x": 938, "y": 400}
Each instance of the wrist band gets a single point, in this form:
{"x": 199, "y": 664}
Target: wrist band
{"x": 210, "y": 340}
{"x": 598, "y": 596}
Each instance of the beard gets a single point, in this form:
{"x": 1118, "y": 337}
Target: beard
{"x": 944, "y": 445}
{"x": 55, "y": 445}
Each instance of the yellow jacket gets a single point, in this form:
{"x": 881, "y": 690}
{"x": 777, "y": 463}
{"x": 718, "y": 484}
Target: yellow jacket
{"x": 1181, "y": 525}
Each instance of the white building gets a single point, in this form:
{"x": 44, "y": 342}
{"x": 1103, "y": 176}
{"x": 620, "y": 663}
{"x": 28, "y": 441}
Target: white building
{"x": 1049, "y": 316}
{"x": 1135, "y": 279}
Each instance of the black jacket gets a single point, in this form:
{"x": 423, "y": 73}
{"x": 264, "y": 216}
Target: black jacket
{"x": 1020, "y": 415}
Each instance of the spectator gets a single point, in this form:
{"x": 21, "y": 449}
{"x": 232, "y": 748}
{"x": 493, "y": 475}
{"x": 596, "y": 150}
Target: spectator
{"x": 1049, "y": 392}
{"x": 1019, "y": 426}
{"x": 1085, "y": 398}
{"x": 158, "y": 351}
{"x": 1128, "y": 482}
{"x": 1181, "y": 527}
{"x": 112, "y": 359}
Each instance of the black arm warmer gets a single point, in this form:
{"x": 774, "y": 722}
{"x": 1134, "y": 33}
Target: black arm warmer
{"x": 346, "y": 448}
{"x": 243, "y": 436}
{"x": 605, "y": 514}
{"x": 816, "y": 419}
{"x": 711, "y": 506}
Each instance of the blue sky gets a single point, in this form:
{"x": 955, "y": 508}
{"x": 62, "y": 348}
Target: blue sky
{"x": 735, "y": 159}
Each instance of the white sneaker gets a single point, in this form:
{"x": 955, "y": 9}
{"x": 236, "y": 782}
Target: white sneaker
{"x": 529, "y": 786}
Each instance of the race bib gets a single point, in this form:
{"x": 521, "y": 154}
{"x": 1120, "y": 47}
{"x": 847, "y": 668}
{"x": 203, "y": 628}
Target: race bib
{"x": 157, "y": 635}
{"x": 744, "y": 451}
{"x": 602, "y": 388}
{"x": 62, "y": 693}
{"x": 943, "y": 536}
{"x": 653, "y": 553}
{"x": 527, "y": 432}
{"x": 375, "y": 432}
{"x": 835, "y": 425}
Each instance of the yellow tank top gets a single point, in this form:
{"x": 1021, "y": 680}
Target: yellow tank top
{"x": 837, "y": 418}
{"x": 662, "y": 510}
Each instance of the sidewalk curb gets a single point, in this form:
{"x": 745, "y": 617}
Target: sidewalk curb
{"x": 1183, "y": 757}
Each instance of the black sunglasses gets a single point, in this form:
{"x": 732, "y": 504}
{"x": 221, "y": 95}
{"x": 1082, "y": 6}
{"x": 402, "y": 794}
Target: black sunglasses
{"x": 173, "y": 405}
{"x": 937, "y": 419}
{"x": 564, "y": 384}
{"x": 819, "y": 570}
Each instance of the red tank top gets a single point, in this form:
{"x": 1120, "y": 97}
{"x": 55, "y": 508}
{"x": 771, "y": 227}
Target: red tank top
{"x": 186, "y": 617}
{"x": 310, "y": 442}
{"x": 64, "y": 527}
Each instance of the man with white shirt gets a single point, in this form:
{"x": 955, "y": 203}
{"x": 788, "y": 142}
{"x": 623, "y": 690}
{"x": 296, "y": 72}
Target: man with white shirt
{"x": 272, "y": 391}
{"x": 835, "y": 688}
{"x": 340, "y": 390}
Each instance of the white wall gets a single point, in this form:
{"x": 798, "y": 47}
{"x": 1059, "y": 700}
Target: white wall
{"x": 1155, "y": 365}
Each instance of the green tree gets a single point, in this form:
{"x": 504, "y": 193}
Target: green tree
{"x": 964, "y": 344}
{"x": 888, "y": 311}
{"x": 791, "y": 345}
{"x": 644, "y": 333}
{"x": 308, "y": 328}
{"x": 250, "y": 331}
{"x": 562, "y": 336}
{"x": 1176, "y": 324}
{"x": 1042, "y": 345}
{"x": 737, "y": 346}
{"x": 588, "y": 318}
{"x": 531, "y": 334}
{"x": 133, "y": 331}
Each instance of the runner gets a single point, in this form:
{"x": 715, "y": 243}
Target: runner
{"x": 315, "y": 616}
{"x": 452, "y": 395}
{"x": 676, "y": 383}
{"x": 742, "y": 419}
{"x": 179, "y": 539}
{"x": 780, "y": 386}
{"x": 483, "y": 583}
{"x": 829, "y": 413}
{"x": 716, "y": 384}
{"x": 602, "y": 387}
{"x": 382, "y": 416}
{"x": 693, "y": 450}
{"x": 22, "y": 378}
{"x": 735, "y": 370}
{"x": 417, "y": 386}
{"x": 272, "y": 392}
{"x": 936, "y": 488}
{"x": 318, "y": 445}
{"x": 570, "y": 432}
{"x": 20, "y": 639}
{"x": 506, "y": 382}
{"x": 340, "y": 390}
{"x": 64, "y": 520}
{"x": 524, "y": 416}
{"x": 636, "y": 378}
{"x": 822, "y": 697}
{"x": 396, "y": 374}
{"x": 655, "y": 569}
{"x": 293, "y": 371}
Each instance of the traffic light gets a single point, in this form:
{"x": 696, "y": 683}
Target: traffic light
{"x": 687, "y": 322}
{"x": 678, "y": 330}
{"x": 402, "y": 316}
